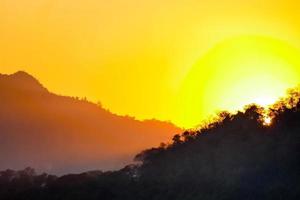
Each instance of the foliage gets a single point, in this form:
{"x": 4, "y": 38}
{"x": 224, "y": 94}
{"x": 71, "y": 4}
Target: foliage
{"x": 235, "y": 157}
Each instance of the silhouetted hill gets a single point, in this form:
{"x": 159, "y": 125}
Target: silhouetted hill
{"x": 235, "y": 157}
{"x": 21, "y": 81}
{"x": 61, "y": 134}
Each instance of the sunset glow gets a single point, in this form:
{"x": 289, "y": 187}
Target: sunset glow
{"x": 178, "y": 61}
{"x": 149, "y": 99}
{"x": 252, "y": 69}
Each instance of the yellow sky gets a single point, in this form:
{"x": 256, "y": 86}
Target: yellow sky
{"x": 135, "y": 56}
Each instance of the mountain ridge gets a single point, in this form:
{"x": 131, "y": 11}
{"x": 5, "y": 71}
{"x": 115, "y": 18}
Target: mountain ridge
{"x": 234, "y": 157}
{"x": 36, "y": 123}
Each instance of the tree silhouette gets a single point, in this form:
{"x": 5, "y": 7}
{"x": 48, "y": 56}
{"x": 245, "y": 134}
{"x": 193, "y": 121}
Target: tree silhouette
{"x": 235, "y": 157}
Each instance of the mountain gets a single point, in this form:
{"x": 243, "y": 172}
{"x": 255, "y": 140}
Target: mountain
{"x": 60, "y": 134}
{"x": 235, "y": 157}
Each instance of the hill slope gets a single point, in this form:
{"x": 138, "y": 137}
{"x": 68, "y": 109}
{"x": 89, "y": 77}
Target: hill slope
{"x": 61, "y": 134}
{"x": 233, "y": 158}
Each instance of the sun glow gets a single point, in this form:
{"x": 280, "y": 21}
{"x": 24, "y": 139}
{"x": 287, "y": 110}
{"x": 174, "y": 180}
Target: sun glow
{"x": 237, "y": 72}
{"x": 138, "y": 57}
{"x": 267, "y": 121}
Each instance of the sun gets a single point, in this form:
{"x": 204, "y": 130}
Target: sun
{"x": 236, "y": 72}
{"x": 267, "y": 121}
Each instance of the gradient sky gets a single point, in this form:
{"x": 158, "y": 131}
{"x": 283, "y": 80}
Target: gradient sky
{"x": 163, "y": 59}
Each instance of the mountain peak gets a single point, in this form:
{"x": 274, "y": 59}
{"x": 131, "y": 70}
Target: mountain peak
{"x": 22, "y": 79}
{"x": 22, "y": 74}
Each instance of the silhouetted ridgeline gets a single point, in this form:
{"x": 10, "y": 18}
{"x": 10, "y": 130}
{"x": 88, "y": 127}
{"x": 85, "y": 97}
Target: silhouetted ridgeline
{"x": 234, "y": 158}
{"x": 58, "y": 134}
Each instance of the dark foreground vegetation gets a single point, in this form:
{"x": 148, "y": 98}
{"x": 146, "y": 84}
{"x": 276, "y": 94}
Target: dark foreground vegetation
{"x": 235, "y": 157}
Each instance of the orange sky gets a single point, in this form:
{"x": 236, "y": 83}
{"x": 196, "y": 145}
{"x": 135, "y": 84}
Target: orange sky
{"x": 135, "y": 56}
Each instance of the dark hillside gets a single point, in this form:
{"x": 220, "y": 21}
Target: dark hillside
{"x": 236, "y": 157}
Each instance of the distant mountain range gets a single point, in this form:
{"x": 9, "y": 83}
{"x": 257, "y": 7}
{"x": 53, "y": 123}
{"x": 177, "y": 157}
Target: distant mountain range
{"x": 235, "y": 157}
{"x": 60, "y": 134}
